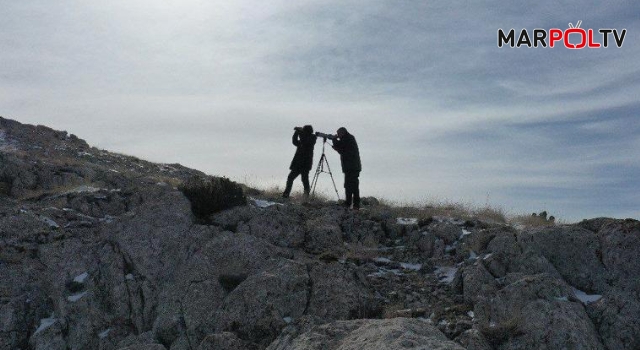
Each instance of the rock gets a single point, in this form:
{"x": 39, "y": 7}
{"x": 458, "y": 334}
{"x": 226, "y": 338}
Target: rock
{"x": 424, "y": 241}
{"x": 190, "y": 305}
{"x": 620, "y": 248}
{"x": 145, "y": 347}
{"x": 478, "y": 241}
{"x": 617, "y": 319}
{"x": 477, "y": 283}
{"x": 554, "y": 325}
{"x": 504, "y": 247}
{"x": 367, "y": 233}
{"x": 573, "y": 251}
{"x": 473, "y": 339}
{"x": 337, "y": 293}
{"x": 225, "y": 341}
{"x": 279, "y": 225}
{"x": 438, "y": 248}
{"x": 323, "y": 233}
{"x": 531, "y": 263}
{"x": 257, "y": 308}
{"x": 449, "y": 233}
{"x": 369, "y": 201}
{"x": 595, "y": 224}
{"x": 49, "y": 335}
{"x": 533, "y": 313}
{"x": 396, "y": 333}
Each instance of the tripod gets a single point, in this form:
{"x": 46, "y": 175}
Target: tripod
{"x": 320, "y": 169}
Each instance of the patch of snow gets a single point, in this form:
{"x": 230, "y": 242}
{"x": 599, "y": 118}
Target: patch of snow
{"x": 114, "y": 171}
{"x": 22, "y": 211}
{"x": 382, "y": 271}
{"x": 465, "y": 233}
{"x": 487, "y": 256}
{"x": 562, "y": 299}
{"x": 107, "y": 218}
{"x": 76, "y": 297}
{"x": 450, "y": 248}
{"x": 81, "y": 277}
{"x": 129, "y": 276}
{"x": 261, "y": 203}
{"x": 473, "y": 255}
{"x": 85, "y": 188}
{"x": 45, "y": 323}
{"x": 50, "y": 222}
{"x": 446, "y": 274}
{"x": 471, "y": 314}
{"x": 287, "y": 319}
{"x": 104, "y": 333}
{"x": 382, "y": 260}
{"x": 408, "y": 266}
{"x": 85, "y": 154}
{"x": 458, "y": 222}
{"x": 586, "y": 298}
{"x": 67, "y": 209}
{"x": 407, "y": 221}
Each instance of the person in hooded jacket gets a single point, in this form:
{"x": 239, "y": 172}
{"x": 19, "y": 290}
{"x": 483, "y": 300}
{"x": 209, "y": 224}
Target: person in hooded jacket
{"x": 304, "y": 140}
{"x": 345, "y": 144}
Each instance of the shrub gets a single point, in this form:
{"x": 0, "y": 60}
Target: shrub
{"x": 210, "y": 195}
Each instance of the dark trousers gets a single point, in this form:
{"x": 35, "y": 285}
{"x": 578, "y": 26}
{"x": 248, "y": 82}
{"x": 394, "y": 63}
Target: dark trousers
{"x": 292, "y": 176}
{"x": 352, "y": 189}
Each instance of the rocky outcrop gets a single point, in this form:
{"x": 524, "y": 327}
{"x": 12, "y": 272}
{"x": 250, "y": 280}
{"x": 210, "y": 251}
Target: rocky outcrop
{"x": 102, "y": 251}
{"x": 397, "y": 333}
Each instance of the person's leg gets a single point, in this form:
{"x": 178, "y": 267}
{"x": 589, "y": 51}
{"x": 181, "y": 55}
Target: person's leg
{"x": 292, "y": 176}
{"x": 348, "y": 189}
{"x": 356, "y": 191}
{"x": 305, "y": 183}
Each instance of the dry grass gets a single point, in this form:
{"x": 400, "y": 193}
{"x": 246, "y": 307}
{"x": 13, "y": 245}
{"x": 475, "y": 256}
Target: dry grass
{"x": 420, "y": 210}
{"x": 444, "y": 209}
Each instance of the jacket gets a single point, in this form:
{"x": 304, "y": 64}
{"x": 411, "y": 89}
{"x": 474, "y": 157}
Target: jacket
{"x": 303, "y": 159}
{"x": 349, "y": 153}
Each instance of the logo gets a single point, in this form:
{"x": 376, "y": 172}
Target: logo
{"x": 573, "y": 38}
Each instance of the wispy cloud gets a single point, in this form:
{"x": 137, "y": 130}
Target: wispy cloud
{"x": 438, "y": 109}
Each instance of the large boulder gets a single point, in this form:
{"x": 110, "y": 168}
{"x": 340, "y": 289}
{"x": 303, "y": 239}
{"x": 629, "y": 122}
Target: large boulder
{"x": 340, "y": 292}
{"x": 620, "y": 247}
{"x": 617, "y": 319}
{"x": 386, "y": 334}
{"x": 189, "y": 306}
{"x": 535, "y": 312}
{"x": 266, "y": 302}
{"x": 278, "y": 224}
{"x": 574, "y": 252}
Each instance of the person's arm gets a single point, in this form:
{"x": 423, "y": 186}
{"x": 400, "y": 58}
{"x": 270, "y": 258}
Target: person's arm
{"x": 338, "y": 145}
{"x": 295, "y": 139}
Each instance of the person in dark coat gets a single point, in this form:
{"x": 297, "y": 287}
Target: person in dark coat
{"x": 346, "y": 145}
{"x": 304, "y": 139}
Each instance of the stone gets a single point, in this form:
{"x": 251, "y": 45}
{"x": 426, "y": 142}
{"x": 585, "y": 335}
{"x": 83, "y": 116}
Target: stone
{"x": 386, "y": 334}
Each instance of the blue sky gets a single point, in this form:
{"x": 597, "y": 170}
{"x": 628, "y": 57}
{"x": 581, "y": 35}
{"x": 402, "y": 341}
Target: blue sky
{"x": 439, "y": 111}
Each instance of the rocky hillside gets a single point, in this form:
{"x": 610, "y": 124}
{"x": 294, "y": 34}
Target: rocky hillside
{"x": 103, "y": 251}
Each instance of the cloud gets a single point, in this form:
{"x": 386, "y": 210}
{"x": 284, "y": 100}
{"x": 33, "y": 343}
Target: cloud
{"x": 438, "y": 109}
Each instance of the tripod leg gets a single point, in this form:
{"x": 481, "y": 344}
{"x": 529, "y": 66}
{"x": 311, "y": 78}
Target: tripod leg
{"x": 333, "y": 181}
{"x": 314, "y": 182}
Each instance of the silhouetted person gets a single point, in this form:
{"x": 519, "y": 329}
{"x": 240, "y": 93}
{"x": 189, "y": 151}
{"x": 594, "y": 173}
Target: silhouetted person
{"x": 304, "y": 139}
{"x": 347, "y": 146}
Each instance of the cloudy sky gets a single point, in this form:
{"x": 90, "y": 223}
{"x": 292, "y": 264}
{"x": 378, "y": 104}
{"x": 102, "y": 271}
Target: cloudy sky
{"x": 439, "y": 111}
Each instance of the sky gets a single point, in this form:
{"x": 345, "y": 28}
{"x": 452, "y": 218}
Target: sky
{"x": 439, "y": 111}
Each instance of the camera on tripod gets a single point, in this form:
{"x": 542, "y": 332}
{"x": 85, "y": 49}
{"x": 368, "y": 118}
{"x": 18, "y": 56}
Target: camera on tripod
{"x": 326, "y": 136}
